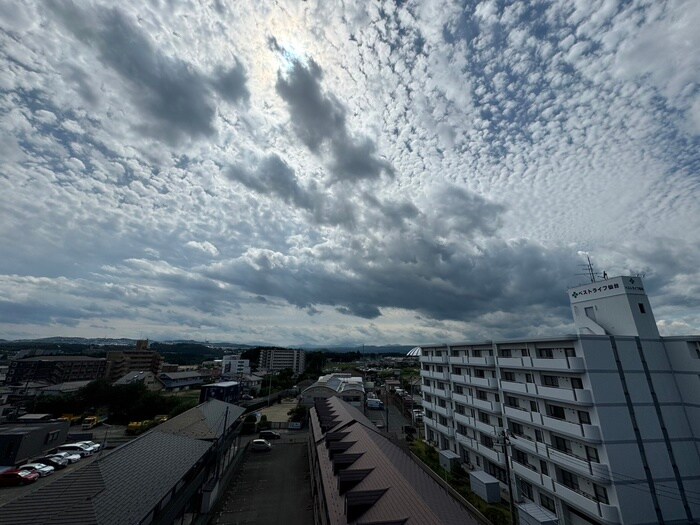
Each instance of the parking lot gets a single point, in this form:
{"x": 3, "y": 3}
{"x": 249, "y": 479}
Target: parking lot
{"x": 271, "y": 487}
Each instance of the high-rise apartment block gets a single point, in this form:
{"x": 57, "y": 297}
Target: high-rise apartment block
{"x": 600, "y": 427}
{"x": 140, "y": 359}
{"x": 277, "y": 359}
{"x": 233, "y": 366}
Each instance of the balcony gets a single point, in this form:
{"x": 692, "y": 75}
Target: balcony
{"x": 528, "y": 474}
{"x": 519, "y": 388}
{"x": 587, "y": 432}
{"x": 461, "y": 360}
{"x": 443, "y": 411}
{"x": 486, "y": 428}
{"x": 563, "y": 364}
{"x": 488, "y": 360}
{"x": 459, "y": 379}
{"x": 523, "y": 415}
{"x": 533, "y": 447}
{"x": 484, "y": 382}
{"x": 496, "y": 457}
{"x": 463, "y": 419}
{"x": 515, "y": 362}
{"x": 440, "y": 376}
{"x": 489, "y": 406}
{"x": 434, "y": 359}
{"x": 598, "y": 471}
{"x": 578, "y": 396}
{"x": 607, "y": 513}
{"x": 462, "y": 399}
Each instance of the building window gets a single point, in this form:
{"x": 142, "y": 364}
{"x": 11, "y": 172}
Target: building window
{"x": 525, "y": 489}
{"x": 428, "y": 398}
{"x": 506, "y": 352}
{"x": 642, "y": 310}
{"x": 548, "y": 503}
{"x": 569, "y": 480}
{"x": 486, "y": 441}
{"x": 592, "y": 454}
{"x": 556, "y": 412}
{"x": 538, "y": 436}
{"x": 528, "y": 378}
{"x": 443, "y": 420}
{"x": 561, "y": 444}
{"x": 520, "y": 457}
{"x": 543, "y": 468}
{"x": 438, "y": 369}
{"x": 478, "y": 372}
{"x": 457, "y": 371}
{"x": 461, "y": 429}
{"x": 508, "y": 376}
{"x": 576, "y": 383}
{"x": 601, "y": 494}
{"x": 441, "y": 403}
{"x": 516, "y": 428}
{"x": 497, "y": 398}
{"x": 440, "y": 386}
{"x": 584, "y": 417}
{"x": 552, "y": 381}
{"x": 484, "y": 417}
{"x": 458, "y": 389}
{"x": 480, "y": 394}
{"x": 545, "y": 353}
{"x": 477, "y": 353}
{"x": 533, "y": 406}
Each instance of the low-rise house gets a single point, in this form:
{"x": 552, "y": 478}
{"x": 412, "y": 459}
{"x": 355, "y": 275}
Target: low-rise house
{"x": 146, "y": 378}
{"x": 23, "y": 441}
{"x": 348, "y": 388}
{"x": 176, "y": 381}
{"x": 68, "y": 387}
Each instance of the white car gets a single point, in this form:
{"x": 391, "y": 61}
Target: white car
{"x": 76, "y": 448}
{"x": 39, "y": 468}
{"x": 94, "y": 446}
{"x": 260, "y": 445}
{"x": 68, "y": 456}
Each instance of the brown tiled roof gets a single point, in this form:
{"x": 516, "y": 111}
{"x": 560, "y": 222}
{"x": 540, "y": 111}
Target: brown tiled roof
{"x": 367, "y": 479}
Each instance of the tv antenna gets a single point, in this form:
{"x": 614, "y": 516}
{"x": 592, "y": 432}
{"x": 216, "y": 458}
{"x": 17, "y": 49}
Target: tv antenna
{"x": 589, "y": 271}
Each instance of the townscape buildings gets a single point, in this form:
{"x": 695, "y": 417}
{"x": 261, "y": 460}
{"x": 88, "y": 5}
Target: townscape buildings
{"x": 598, "y": 427}
{"x": 278, "y": 359}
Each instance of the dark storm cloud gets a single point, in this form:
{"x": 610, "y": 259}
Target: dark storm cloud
{"x": 318, "y": 118}
{"x": 171, "y": 91}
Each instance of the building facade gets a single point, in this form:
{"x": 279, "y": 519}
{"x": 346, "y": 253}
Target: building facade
{"x": 54, "y": 369}
{"x": 233, "y": 366}
{"x": 119, "y": 363}
{"x": 349, "y": 389}
{"x": 278, "y": 359}
{"x": 598, "y": 427}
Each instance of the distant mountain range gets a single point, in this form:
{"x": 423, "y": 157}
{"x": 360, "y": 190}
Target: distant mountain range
{"x": 103, "y": 341}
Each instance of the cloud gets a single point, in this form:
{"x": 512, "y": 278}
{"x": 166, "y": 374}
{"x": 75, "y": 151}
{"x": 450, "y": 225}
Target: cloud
{"x": 203, "y": 246}
{"x": 319, "y": 119}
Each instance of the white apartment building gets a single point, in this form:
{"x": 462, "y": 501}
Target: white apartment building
{"x": 233, "y": 366}
{"x": 603, "y": 426}
{"x": 277, "y": 359}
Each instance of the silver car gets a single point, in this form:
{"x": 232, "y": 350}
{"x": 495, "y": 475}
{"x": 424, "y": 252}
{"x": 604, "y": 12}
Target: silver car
{"x": 39, "y": 468}
{"x": 68, "y": 456}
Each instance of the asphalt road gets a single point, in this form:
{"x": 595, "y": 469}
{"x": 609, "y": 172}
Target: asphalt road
{"x": 271, "y": 487}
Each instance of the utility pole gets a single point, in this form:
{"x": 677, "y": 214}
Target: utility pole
{"x": 504, "y": 441}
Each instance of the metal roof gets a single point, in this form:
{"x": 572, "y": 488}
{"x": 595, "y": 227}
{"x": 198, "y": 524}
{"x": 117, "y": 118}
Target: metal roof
{"x": 367, "y": 478}
{"x": 205, "y": 421}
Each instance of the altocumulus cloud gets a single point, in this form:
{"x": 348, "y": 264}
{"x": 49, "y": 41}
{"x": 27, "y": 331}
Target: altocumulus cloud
{"x": 322, "y": 173}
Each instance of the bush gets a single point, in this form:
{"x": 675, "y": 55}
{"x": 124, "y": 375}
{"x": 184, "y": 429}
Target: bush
{"x": 497, "y": 516}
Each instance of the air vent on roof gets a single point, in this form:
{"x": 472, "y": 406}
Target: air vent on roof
{"x": 339, "y": 446}
{"x": 359, "y": 502}
{"x": 348, "y": 478}
{"x": 342, "y": 461}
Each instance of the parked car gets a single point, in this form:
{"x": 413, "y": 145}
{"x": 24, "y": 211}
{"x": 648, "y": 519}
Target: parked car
{"x": 260, "y": 445}
{"x": 269, "y": 434}
{"x": 57, "y": 462}
{"x": 40, "y": 468}
{"x": 69, "y": 456}
{"x": 76, "y": 448}
{"x": 247, "y": 397}
{"x": 94, "y": 446}
{"x": 13, "y": 478}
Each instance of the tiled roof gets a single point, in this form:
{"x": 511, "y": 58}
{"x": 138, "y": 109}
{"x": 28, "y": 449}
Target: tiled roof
{"x": 368, "y": 479}
{"x": 126, "y": 484}
{"x": 120, "y": 487}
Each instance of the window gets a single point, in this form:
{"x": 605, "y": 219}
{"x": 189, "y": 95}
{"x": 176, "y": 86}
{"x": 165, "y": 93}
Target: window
{"x": 584, "y": 417}
{"x": 601, "y": 494}
{"x": 484, "y": 417}
{"x": 457, "y": 371}
{"x": 570, "y": 352}
{"x": 592, "y": 454}
{"x": 496, "y": 471}
{"x": 428, "y": 398}
{"x": 454, "y": 353}
{"x": 525, "y": 489}
{"x": 545, "y": 353}
{"x": 459, "y": 408}
{"x": 458, "y": 389}
{"x": 641, "y": 308}
{"x": 441, "y": 403}
{"x": 526, "y": 352}
{"x": 440, "y": 386}
{"x": 480, "y": 394}
{"x": 477, "y": 353}
{"x": 508, "y": 376}
{"x": 538, "y": 436}
{"x": 569, "y": 480}
{"x": 497, "y": 397}
{"x": 443, "y": 420}
{"x": 516, "y": 428}
{"x": 534, "y": 407}
{"x": 550, "y": 381}
{"x": 520, "y": 457}
{"x": 486, "y": 441}
{"x": 543, "y": 468}
{"x": 52, "y": 436}
{"x": 438, "y": 368}
{"x": 548, "y": 503}
{"x": 556, "y": 412}
{"x": 461, "y": 429}
{"x": 506, "y": 352}
{"x": 500, "y": 421}
{"x": 528, "y": 378}
{"x": 561, "y": 444}
{"x": 478, "y": 372}
{"x": 576, "y": 383}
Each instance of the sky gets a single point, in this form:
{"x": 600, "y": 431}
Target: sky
{"x": 328, "y": 173}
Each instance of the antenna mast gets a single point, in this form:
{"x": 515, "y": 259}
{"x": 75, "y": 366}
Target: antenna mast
{"x": 591, "y": 274}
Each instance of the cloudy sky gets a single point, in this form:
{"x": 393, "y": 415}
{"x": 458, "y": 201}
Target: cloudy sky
{"x": 308, "y": 172}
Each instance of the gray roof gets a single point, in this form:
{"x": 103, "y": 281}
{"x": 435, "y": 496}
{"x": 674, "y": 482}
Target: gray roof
{"x": 384, "y": 481}
{"x": 180, "y": 375}
{"x": 205, "y": 421}
{"x": 120, "y": 487}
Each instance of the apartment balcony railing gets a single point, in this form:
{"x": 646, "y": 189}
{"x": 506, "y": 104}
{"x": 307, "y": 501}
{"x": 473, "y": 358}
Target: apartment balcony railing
{"x": 486, "y": 428}
{"x": 434, "y": 359}
{"x": 489, "y": 406}
{"x": 463, "y": 419}
{"x": 460, "y": 379}
{"x": 443, "y": 411}
{"x": 463, "y": 399}
{"x": 479, "y": 448}
{"x": 600, "y": 472}
{"x": 527, "y": 473}
{"x": 563, "y": 364}
{"x": 578, "y": 430}
{"x": 473, "y": 361}
{"x": 567, "y": 395}
{"x": 577, "y": 498}
{"x": 519, "y": 388}
{"x": 483, "y": 382}
{"x": 440, "y": 376}
{"x": 436, "y": 391}
{"x": 526, "y": 445}
{"x": 523, "y": 416}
